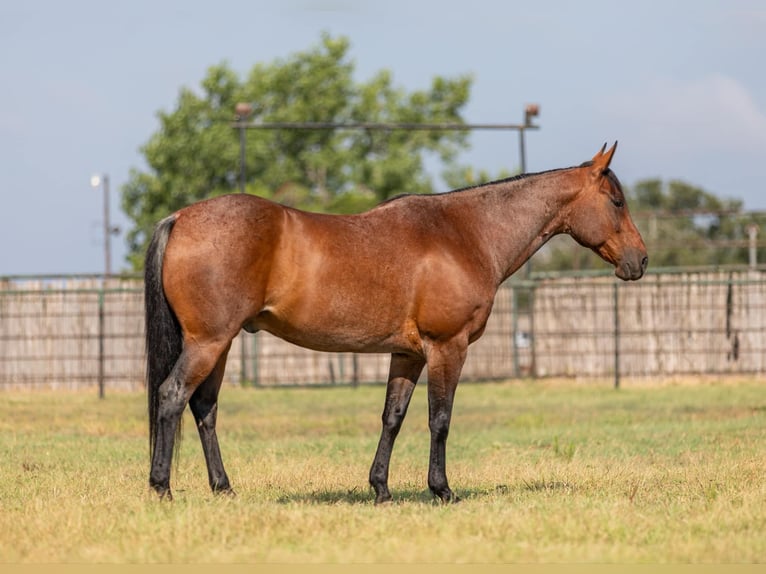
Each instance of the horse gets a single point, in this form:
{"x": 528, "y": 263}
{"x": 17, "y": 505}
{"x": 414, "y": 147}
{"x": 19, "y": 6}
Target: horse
{"x": 415, "y": 277}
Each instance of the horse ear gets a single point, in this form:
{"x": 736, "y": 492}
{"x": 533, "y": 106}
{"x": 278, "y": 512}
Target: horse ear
{"x": 600, "y": 153}
{"x": 602, "y": 160}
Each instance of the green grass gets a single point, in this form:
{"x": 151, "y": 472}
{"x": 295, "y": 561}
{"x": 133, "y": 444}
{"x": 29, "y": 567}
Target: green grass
{"x": 548, "y": 472}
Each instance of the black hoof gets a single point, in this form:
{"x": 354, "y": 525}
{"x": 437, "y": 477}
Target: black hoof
{"x": 447, "y": 497}
{"x": 382, "y": 494}
{"x": 163, "y": 493}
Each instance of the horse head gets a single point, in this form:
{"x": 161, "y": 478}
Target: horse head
{"x": 598, "y": 218}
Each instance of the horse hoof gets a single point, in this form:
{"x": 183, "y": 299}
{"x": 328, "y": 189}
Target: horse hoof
{"x": 448, "y": 497}
{"x": 227, "y": 492}
{"x": 383, "y": 500}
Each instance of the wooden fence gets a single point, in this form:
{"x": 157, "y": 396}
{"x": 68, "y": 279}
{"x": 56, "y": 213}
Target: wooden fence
{"x": 81, "y": 332}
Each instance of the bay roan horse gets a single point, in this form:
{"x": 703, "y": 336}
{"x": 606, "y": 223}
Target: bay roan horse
{"x": 414, "y": 277}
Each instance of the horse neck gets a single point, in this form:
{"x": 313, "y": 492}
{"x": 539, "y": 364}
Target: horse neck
{"x": 518, "y": 216}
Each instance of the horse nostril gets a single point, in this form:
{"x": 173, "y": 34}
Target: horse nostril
{"x": 644, "y": 262}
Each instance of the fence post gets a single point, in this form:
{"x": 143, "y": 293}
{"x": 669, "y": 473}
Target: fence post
{"x": 242, "y": 359}
{"x": 514, "y": 331}
{"x": 355, "y": 370}
{"x": 255, "y": 361}
{"x": 752, "y": 234}
{"x": 616, "y": 300}
{"x": 532, "y": 294}
{"x": 101, "y": 335}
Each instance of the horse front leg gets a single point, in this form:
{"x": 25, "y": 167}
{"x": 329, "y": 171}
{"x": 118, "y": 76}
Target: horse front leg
{"x": 402, "y": 378}
{"x": 444, "y": 366}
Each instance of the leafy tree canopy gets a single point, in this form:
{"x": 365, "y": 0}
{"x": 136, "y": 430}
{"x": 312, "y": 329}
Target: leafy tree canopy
{"x": 195, "y": 153}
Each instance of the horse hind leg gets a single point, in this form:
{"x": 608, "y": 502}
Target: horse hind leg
{"x": 204, "y": 407}
{"x": 192, "y": 368}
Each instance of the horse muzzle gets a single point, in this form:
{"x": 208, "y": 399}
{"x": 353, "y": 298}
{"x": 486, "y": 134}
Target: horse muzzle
{"x": 632, "y": 265}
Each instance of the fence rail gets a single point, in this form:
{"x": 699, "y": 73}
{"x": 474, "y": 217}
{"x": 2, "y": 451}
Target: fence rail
{"x": 84, "y": 332}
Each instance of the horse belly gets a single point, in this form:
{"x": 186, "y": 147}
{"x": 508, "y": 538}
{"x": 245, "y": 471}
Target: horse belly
{"x": 334, "y": 327}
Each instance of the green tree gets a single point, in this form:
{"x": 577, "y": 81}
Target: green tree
{"x": 195, "y": 153}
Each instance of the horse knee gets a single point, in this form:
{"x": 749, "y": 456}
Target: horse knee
{"x": 439, "y": 426}
{"x": 393, "y": 418}
{"x": 172, "y": 403}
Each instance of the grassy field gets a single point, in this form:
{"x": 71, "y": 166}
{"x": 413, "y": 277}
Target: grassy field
{"x": 548, "y": 472}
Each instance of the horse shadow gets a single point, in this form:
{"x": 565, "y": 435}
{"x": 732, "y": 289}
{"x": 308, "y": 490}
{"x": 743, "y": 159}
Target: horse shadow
{"x": 361, "y": 496}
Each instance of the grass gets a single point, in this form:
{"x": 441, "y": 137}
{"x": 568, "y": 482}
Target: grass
{"x": 548, "y": 472}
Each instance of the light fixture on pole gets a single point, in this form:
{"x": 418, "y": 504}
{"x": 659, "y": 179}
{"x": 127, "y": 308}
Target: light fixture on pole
{"x": 530, "y": 111}
{"x": 96, "y": 181}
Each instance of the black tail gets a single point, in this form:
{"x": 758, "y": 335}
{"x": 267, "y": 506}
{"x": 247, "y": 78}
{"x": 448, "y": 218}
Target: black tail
{"x": 163, "y": 333}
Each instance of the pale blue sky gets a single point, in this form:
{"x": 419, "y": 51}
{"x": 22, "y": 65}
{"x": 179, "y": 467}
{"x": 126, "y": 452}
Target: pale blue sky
{"x": 680, "y": 84}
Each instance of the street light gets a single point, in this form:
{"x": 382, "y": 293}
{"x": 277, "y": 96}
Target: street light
{"x": 96, "y": 181}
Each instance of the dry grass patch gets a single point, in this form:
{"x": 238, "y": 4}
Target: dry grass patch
{"x": 548, "y": 472}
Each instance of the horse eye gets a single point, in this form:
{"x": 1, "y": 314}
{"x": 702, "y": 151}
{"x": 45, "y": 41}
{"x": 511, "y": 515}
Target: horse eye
{"x": 618, "y": 202}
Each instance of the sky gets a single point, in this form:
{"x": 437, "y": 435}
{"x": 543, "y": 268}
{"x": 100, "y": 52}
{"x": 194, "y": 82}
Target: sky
{"x": 681, "y": 84}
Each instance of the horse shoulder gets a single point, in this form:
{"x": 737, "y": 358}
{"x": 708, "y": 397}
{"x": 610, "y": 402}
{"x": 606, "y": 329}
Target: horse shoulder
{"x": 453, "y": 298}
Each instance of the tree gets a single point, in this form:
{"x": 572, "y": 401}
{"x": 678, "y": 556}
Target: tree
{"x": 195, "y": 153}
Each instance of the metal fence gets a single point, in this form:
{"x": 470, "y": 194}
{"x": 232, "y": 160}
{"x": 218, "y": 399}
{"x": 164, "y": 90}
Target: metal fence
{"x": 667, "y": 324}
{"x": 84, "y": 332}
